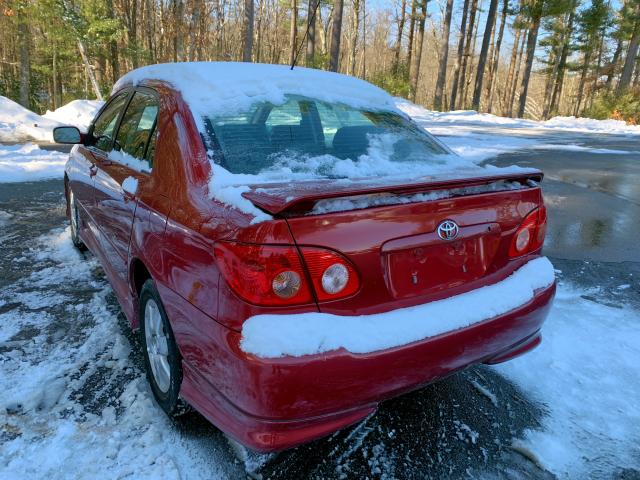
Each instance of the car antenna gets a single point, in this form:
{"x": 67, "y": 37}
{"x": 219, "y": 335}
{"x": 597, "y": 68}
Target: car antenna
{"x": 313, "y": 19}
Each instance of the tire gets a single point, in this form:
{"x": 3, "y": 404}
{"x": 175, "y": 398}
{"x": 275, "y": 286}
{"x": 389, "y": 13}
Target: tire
{"x": 164, "y": 372}
{"x": 74, "y": 220}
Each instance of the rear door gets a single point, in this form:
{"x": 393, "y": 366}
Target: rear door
{"x": 122, "y": 170}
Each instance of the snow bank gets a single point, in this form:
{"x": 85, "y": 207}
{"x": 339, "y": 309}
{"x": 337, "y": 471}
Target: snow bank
{"x": 271, "y": 336}
{"x": 18, "y": 124}
{"x": 586, "y": 373}
{"x": 212, "y": 88}
{"x": 28, "y": 163}
{"x": 572, "y": 124}
{"x": 78, "y": 113}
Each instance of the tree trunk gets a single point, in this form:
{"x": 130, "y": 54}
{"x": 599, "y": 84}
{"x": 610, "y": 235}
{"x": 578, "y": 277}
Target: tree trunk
{"x": 412, "y": 32}
{"x": 467, "y": 51}
{"x": 496, "y": 55}
{"x": 532, "y": 41}
{"x": 25, "y": 62}
{"x": 311, "y": 32}
{"x": 614, "y": 64}
{"x": 247, "y": 31}
{"x": 354, "y": 41}
{"x": 193, "y": 29}
{"x": 90, "y": 73}
{"x": 583, "y": 77}
{"x": 516, "y": 73}
{"x": 444, "y": 55}
{"x": 398, "y": 46}
{"x": 415, "y": 70}
{"x": 482, "y": 61}
{"x": 456, "y": 67}
{"x": 178, "y": 41}
{"x": 293, "y": 32}
{"x": 336, "y": 33}
{"x": 630, "y": 60}
{"x": 512, "y": 67}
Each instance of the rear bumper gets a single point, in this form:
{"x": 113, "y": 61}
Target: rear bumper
{"x": 277, "y": 403}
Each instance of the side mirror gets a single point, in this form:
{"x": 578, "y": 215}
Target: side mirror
{"x": 69, "y": 135}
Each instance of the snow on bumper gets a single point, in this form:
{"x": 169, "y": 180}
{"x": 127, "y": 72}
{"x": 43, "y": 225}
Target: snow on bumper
{"x": 272, "y": 336}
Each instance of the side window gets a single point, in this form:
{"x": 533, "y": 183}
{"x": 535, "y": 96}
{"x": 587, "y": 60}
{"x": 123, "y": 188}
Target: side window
{"x": 137, "y": 126}
{"x": 105, "y": 124}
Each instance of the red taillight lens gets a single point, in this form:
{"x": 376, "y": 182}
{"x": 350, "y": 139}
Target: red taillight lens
{"x": 271, "y": 275}
{"x": 530, "y": 235}
{"x": 332, "y": 275}
{"x": 263, "y": 274}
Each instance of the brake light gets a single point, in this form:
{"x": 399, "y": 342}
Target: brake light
{"x": 263, "y": 274}
{"x": 332, "y": 275}
{"x": 530, "y": 235}
{"x": 272, "y": 275}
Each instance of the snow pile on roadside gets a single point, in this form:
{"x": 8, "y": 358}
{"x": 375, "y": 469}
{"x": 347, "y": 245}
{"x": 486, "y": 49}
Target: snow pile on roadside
{"x": 272, "y": 336}
{"x": 586, "y": 372}
{"x": 73, "y": 401}
{"x": 19, "y": 124}
{"x": 570, "y": 124}
{"x": 78, "y": 113}
{"x": 28, "y": 163}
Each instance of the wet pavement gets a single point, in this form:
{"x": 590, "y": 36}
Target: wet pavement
{"x": 462, "y": 426}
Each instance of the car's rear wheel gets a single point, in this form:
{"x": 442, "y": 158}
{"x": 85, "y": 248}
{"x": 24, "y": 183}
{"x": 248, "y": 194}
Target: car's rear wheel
{"x": 74, "y": 220}
{"x": 161, "y": 356}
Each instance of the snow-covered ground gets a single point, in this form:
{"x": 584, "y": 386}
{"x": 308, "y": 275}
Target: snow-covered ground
{"x": 58, "y": 351}
{"x": 28, "y": 163}
{"x": 586, "y": 373}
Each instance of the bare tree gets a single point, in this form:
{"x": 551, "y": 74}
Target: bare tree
{"x": 415, "y": 69}
{"x": 532, "y": 41}
{"x": 25, "y": 62}
{"x": 293, "y": 32}
{"x": 456, "y": 68}
{"x": 355, "y": 27}
{"x": 495, "y": 63}
{"x": 311, "y": 31}
{"x": 398, "y": 46}
{"x": 482, "y": 61}
{"x": 336, "y": 34}
{"x": 247, "y": 31}
{"x": 444, "y": 56}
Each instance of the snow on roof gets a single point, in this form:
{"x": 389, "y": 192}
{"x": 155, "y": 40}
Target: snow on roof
{"x": 213, "y": 88}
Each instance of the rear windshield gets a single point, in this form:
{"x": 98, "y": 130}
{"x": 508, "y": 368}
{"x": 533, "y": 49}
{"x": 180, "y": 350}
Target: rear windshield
{"x": 308, "y": 136}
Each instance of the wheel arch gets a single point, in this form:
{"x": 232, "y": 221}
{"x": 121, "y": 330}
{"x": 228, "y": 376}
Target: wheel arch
{"x": 138, "y": 274}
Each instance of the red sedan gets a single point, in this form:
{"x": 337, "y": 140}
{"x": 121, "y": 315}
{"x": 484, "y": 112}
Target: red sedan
{"x": 294, "y": 249}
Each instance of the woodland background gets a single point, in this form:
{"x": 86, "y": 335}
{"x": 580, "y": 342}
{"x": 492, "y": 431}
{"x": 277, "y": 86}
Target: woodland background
{"x": 520, "y": 58}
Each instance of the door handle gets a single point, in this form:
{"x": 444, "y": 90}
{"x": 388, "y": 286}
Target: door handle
{"x": 93, "y": 170}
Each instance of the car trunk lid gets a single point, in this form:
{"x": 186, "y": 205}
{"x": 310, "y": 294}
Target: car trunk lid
{"x": 392, "y": 238}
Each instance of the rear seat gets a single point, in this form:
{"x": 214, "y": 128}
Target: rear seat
{"x": 351, "y": 142}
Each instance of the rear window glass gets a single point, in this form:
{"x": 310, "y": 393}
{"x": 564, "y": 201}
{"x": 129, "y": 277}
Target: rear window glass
{"x": 319, "y": 138}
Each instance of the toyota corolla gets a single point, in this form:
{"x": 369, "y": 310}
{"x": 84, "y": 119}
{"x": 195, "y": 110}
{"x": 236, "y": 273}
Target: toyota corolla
{"x": 294, "y": 249}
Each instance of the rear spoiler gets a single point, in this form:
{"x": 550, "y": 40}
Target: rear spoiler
{"x": 301, "y": 197}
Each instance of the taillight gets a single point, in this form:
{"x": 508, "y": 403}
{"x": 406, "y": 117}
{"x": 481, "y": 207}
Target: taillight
{"x": 332, "y": 275}
{"x": 530, "y": 235}
{"x": 263, "y": 274}
{"x": 271, "y": 275}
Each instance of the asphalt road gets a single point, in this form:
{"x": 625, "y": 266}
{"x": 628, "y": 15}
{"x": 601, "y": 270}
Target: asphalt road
{"x": 450, "y": 429}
